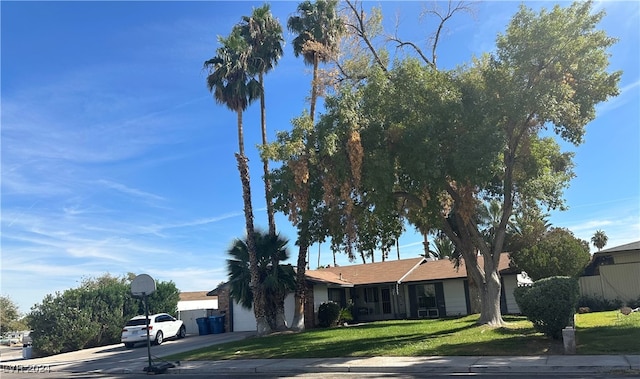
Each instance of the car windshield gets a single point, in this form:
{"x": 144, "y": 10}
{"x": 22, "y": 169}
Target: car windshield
{"x": 137, "y": 322}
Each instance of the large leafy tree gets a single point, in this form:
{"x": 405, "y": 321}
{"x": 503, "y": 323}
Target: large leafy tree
{"x": 599, "y": 239}
{"x": 558, "y": 253}
{"x": 263, "y": 33}
{"x": 473, "y": 135}
{"x": 231, "y": 81}
{"x": 278, "y": 279}
{"x": 549, "y": 71}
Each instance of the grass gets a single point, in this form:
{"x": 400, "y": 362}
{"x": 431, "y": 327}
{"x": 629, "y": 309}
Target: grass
{"x": 596, "y": 333}
{"x": 608, "y": 333}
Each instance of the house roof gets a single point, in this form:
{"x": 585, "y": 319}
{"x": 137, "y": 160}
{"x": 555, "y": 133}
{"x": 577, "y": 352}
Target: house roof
{"x": 444, "y": 269}
{"x": 398, "y": 271}
{"x": 192, "y": 296}
{"x": 626, "y": 247}
{"x": 380, "y": 272}
{"x": 324, "y": 276}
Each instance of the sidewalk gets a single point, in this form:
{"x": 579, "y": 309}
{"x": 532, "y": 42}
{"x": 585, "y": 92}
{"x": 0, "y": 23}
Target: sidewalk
{"x": 580, "y": 364}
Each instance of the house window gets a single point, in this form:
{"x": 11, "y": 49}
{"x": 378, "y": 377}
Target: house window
{"x": 335, "y": 295}
{"x": 427, "y": 306}
{"x": 371, "y": 295}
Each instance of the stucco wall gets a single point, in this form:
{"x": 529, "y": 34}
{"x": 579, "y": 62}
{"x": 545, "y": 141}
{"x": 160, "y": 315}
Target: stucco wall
{"x": 618, "y": 281}
{"x": 320, "y": 295}
{"x": 245, "y": 321}
{"x": 626, "y": 257}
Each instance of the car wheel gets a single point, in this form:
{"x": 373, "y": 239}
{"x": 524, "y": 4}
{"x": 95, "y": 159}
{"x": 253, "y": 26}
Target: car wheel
{"x": 128, "y": 345}
{"x": 182, "y": 332}
{"x": 159, "y": 337}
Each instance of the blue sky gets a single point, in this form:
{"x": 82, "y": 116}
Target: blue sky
{"x": 116, "y": 159}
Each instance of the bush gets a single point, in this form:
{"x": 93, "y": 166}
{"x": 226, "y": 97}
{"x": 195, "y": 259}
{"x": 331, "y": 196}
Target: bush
{"x": 328, "y": 314}
{"x": 92, "y": 314}
{"x": 598, "y": 304}
{"x": 634, "y": 303}
{"x": 549, "y": 304}
{"x": 345, "y": 315}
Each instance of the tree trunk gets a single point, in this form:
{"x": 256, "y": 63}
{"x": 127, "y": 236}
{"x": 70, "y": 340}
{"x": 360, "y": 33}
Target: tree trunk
{"x": 314, "y": 87}
{"x": 425, "y": 244}
{"x": 262, "y": 325}
{"x": 265, "y": 162}
{"x": 491, "y": 314}
{"x": 280, "y": 319}
{"x": 487, "y": 279}
{"x": 299, "y": 297}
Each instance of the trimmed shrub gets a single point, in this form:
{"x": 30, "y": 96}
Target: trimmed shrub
{"x": 328, "y": 314}
{"x": 549, "y": 304}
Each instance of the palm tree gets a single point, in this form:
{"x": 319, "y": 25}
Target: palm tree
{"x": 232, "y": 84}
{"x": 443, "y": 248}
{"x": 529, "y": 226}
{"x": 319, "y": 29}
{"x": 599, "y": 239}
{"x": 263, "y": 33}
{"x": 278, "y": 279}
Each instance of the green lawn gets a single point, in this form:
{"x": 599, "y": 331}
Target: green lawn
{"x": 597, "y": 333}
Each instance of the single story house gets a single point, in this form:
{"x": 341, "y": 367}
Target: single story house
{"x": 406, "y": 288}
{"x": 397, "y": 289}
{"x": 193, "y": 305}
{"x": 613, "y": 274}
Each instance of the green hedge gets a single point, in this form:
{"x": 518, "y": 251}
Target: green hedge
{"x": 549, "y": 304}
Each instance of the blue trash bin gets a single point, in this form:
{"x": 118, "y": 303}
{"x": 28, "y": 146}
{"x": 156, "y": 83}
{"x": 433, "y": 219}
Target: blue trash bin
{"x": 216, "y": 324}
{"x": 203, "y": 326}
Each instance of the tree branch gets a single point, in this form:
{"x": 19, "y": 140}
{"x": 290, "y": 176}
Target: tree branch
{"x": 452, "y": 9}
{"x": 361, "y": 31}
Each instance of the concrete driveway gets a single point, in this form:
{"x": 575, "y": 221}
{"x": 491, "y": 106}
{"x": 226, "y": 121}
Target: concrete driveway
{"x": 116, "y": 358}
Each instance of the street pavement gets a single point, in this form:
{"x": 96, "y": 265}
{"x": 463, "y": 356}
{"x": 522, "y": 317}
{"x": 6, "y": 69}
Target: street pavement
{"x": 569, "y": 364}
{"x": 117, "y": 360}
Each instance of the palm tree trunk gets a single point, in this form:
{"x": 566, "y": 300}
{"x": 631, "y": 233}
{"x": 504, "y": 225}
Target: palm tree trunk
{"x": 314, "y": 87}
{"x": 262, "y": 325}
{"x": 300, "y": 294}
{"x": 265, "y": 162}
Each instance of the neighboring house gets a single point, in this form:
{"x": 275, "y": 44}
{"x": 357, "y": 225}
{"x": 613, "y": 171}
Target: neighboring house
{"x": 398, "y": 289}
{"x": 193, "y": 305}
{"x": 613, "y": 274}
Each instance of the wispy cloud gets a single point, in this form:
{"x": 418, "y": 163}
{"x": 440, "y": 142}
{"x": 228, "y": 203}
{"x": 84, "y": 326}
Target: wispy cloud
{"x": 131, "y": 191}
{"x": 616, "y": 102}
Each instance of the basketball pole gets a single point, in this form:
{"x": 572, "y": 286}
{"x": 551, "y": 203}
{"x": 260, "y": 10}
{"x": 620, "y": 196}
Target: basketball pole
{"x": 146, "y": 314}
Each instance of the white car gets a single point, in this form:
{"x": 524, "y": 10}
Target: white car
{"x": 161, "y": 327}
